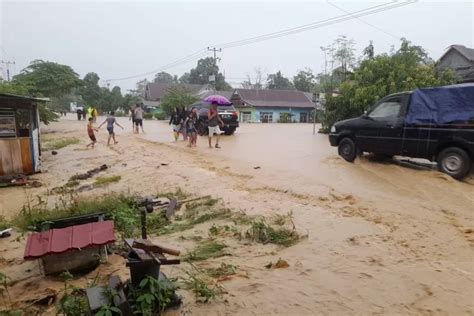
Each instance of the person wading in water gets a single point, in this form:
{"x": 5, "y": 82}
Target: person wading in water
{"x": 214, "y": 122}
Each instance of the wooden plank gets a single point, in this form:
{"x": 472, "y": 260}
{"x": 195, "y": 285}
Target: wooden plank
{"x": 26, "y": 155}
{"x": 6, "y": 156}
{"x": 151, "y": 247}
{"x": 15, "y": 150}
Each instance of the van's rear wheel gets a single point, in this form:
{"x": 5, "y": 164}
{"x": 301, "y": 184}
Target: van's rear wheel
{"x": 455, "y": 162}
{"x": 347, "y": 149}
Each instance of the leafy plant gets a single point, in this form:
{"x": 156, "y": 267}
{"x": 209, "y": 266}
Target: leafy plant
{"x": 153, "y": 295}
{"x": 108, "y": 310}
{"x": 223, "y": 270}
{"x": 206, "y": 250}
{"x": 4, "y": 294}
{"x": 74, "y": 301}
{"x": 161, "y": 116}
{"x": 204, "y": 290}
{"x": 261, "y": 232}
{"x": 3, "y": 222}
{"x": 100, "y": 181}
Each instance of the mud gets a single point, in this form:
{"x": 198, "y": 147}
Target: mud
{"x": 392, "y": 237}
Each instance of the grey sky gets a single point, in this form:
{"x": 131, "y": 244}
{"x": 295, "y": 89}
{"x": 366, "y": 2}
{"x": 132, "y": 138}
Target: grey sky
{"x": 119, "y": 39}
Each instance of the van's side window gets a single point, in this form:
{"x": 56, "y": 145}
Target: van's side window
{"x": 389, "y": 109}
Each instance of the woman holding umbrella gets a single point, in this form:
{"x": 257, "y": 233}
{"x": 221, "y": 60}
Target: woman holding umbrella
{"x": 214, "y": 122}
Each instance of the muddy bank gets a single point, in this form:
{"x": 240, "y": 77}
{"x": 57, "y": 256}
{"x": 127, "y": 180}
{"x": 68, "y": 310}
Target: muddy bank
{"x": 382, "y": 237}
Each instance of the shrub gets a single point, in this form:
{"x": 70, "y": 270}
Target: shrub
{"x": 148, "y": 116}
{"x": 160, "y": 116}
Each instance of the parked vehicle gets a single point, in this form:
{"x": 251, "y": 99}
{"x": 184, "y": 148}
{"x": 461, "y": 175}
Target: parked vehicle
{"x": 436, "y": 124}
{"x": 227, "y": 113}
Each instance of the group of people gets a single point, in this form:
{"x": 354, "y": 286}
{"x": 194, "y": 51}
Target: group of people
{"x": 91, "y": 112}
{"x": 111, "y": 122}
{"x": 183, "y": 122}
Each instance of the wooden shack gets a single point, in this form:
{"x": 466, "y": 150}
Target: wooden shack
{"x": 19, "y": 135}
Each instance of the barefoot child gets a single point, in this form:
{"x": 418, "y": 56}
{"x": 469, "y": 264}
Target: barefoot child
{"x": 90, "y": 132}
{"x": 110, "y": 120}
{"x": 190, "y": 125}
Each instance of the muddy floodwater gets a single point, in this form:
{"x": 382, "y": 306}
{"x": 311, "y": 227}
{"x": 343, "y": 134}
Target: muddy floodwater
{"x": 383, "y": 237}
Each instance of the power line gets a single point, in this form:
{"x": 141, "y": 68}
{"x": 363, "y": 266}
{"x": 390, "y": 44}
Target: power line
{"x": 264, "y": 37}
{"x": 363, "y": 21}
{"x": 318, "y": 24}
{"x": 196, "y": 55}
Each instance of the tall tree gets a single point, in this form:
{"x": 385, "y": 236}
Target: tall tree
{"x": 164, "y": 77}
{"x": 48, "y": 79}
{"x": 369, "y": 51}
{"x": 90, "y": 90}
{"x": 205, "y": 68}
{"x": 406, "y": 69}
{"x": 304, "y": 80}
{"x": 184, "y": 78}
{"x": 177, "y": 97}
{"x": 257, "y": 82}
{"x": 344, "y": 53}
{"x": 277, "y": 81}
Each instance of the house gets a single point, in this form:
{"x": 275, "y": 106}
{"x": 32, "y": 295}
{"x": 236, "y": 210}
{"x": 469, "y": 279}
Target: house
{"x": 271, "y": 106}
{"x": 154, "y": 92}
{"x": 19, "y": 134}
{"x": 460, "y": 59}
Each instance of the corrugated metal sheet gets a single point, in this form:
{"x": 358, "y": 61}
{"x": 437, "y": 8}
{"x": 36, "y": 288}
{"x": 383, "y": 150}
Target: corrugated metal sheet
{"x": 73, "y": 237}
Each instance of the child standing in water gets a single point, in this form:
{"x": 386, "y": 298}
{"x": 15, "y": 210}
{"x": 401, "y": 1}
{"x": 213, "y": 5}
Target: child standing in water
{"x": 90, "y": 132}
{"x": 175, "y": 121}
{"x": 110, "y": 120}
{"x": 190, "y": 125}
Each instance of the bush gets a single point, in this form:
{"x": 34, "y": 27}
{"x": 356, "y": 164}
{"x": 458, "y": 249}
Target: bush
{"x": 160, "y": 116}
{"x": 148, "y": 116}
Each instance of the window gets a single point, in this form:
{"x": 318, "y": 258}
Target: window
{"x": 246, "y": 116}
{"x": 266, "y": 117}
{"x": 389, "y": 109}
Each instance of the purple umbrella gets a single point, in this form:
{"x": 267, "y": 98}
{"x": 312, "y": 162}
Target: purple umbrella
{"x": 221, "y": 100}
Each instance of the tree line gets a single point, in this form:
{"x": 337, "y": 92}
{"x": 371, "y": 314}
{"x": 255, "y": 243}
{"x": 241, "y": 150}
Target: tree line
{"x": 350, "y": 84}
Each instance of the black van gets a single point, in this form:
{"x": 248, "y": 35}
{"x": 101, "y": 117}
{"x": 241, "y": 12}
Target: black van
{"x": 436, "y": 124}
{"x": 227, "y": 113}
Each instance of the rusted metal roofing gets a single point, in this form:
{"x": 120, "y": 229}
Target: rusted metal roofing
{"x": 273, "y": 98}
{"x": 70, "y": 238}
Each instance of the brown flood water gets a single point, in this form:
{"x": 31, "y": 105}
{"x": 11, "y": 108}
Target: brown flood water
{"x": 383, "y": 237}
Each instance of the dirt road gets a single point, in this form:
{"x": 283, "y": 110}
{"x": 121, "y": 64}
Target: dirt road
{"x": 382, "y": 237}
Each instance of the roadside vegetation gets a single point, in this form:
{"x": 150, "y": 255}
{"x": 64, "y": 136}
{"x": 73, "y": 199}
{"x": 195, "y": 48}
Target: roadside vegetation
{"x": 58, "y": 143}
{"x": 101, "y": 181}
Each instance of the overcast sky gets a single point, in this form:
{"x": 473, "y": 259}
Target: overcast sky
{"x": 120, "y": 39}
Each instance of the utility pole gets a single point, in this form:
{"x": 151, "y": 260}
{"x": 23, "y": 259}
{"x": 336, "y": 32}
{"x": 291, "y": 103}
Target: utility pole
{"x": 215, "y": 50}
{"x": 7, "y": 64}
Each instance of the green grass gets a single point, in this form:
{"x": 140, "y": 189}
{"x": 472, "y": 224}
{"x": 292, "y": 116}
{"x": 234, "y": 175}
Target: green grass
{"x": 261, "y": 232}
{"x": 223, "y": 270}
{"x": 104, "y": 180}
{"x": 204, "y": 289}
{"x": 120, "y": 207}
{"x": 4, "y": 224}
{"x": 58, "y": 143}
{"x": 206, "y": 250}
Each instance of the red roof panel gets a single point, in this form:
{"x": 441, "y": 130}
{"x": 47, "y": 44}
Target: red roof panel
{"x": 68, "y": 238}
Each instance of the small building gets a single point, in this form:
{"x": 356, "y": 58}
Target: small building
{"x": 460, "y": 59}
{"x": 272, "y": 106}
{"x": 19, "y": 134}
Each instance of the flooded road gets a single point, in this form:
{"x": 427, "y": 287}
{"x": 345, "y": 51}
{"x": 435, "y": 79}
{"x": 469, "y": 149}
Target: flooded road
{"x": 305, "y": 159}
{"x": 382, "y": 237}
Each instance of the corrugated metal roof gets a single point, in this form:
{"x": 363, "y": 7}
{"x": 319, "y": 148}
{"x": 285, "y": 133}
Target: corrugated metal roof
{"x": 275, "y": 98}
{"x": 69, "y": 238}
{"x": 156, "y": 91}
{"x": 22, "y": 97}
